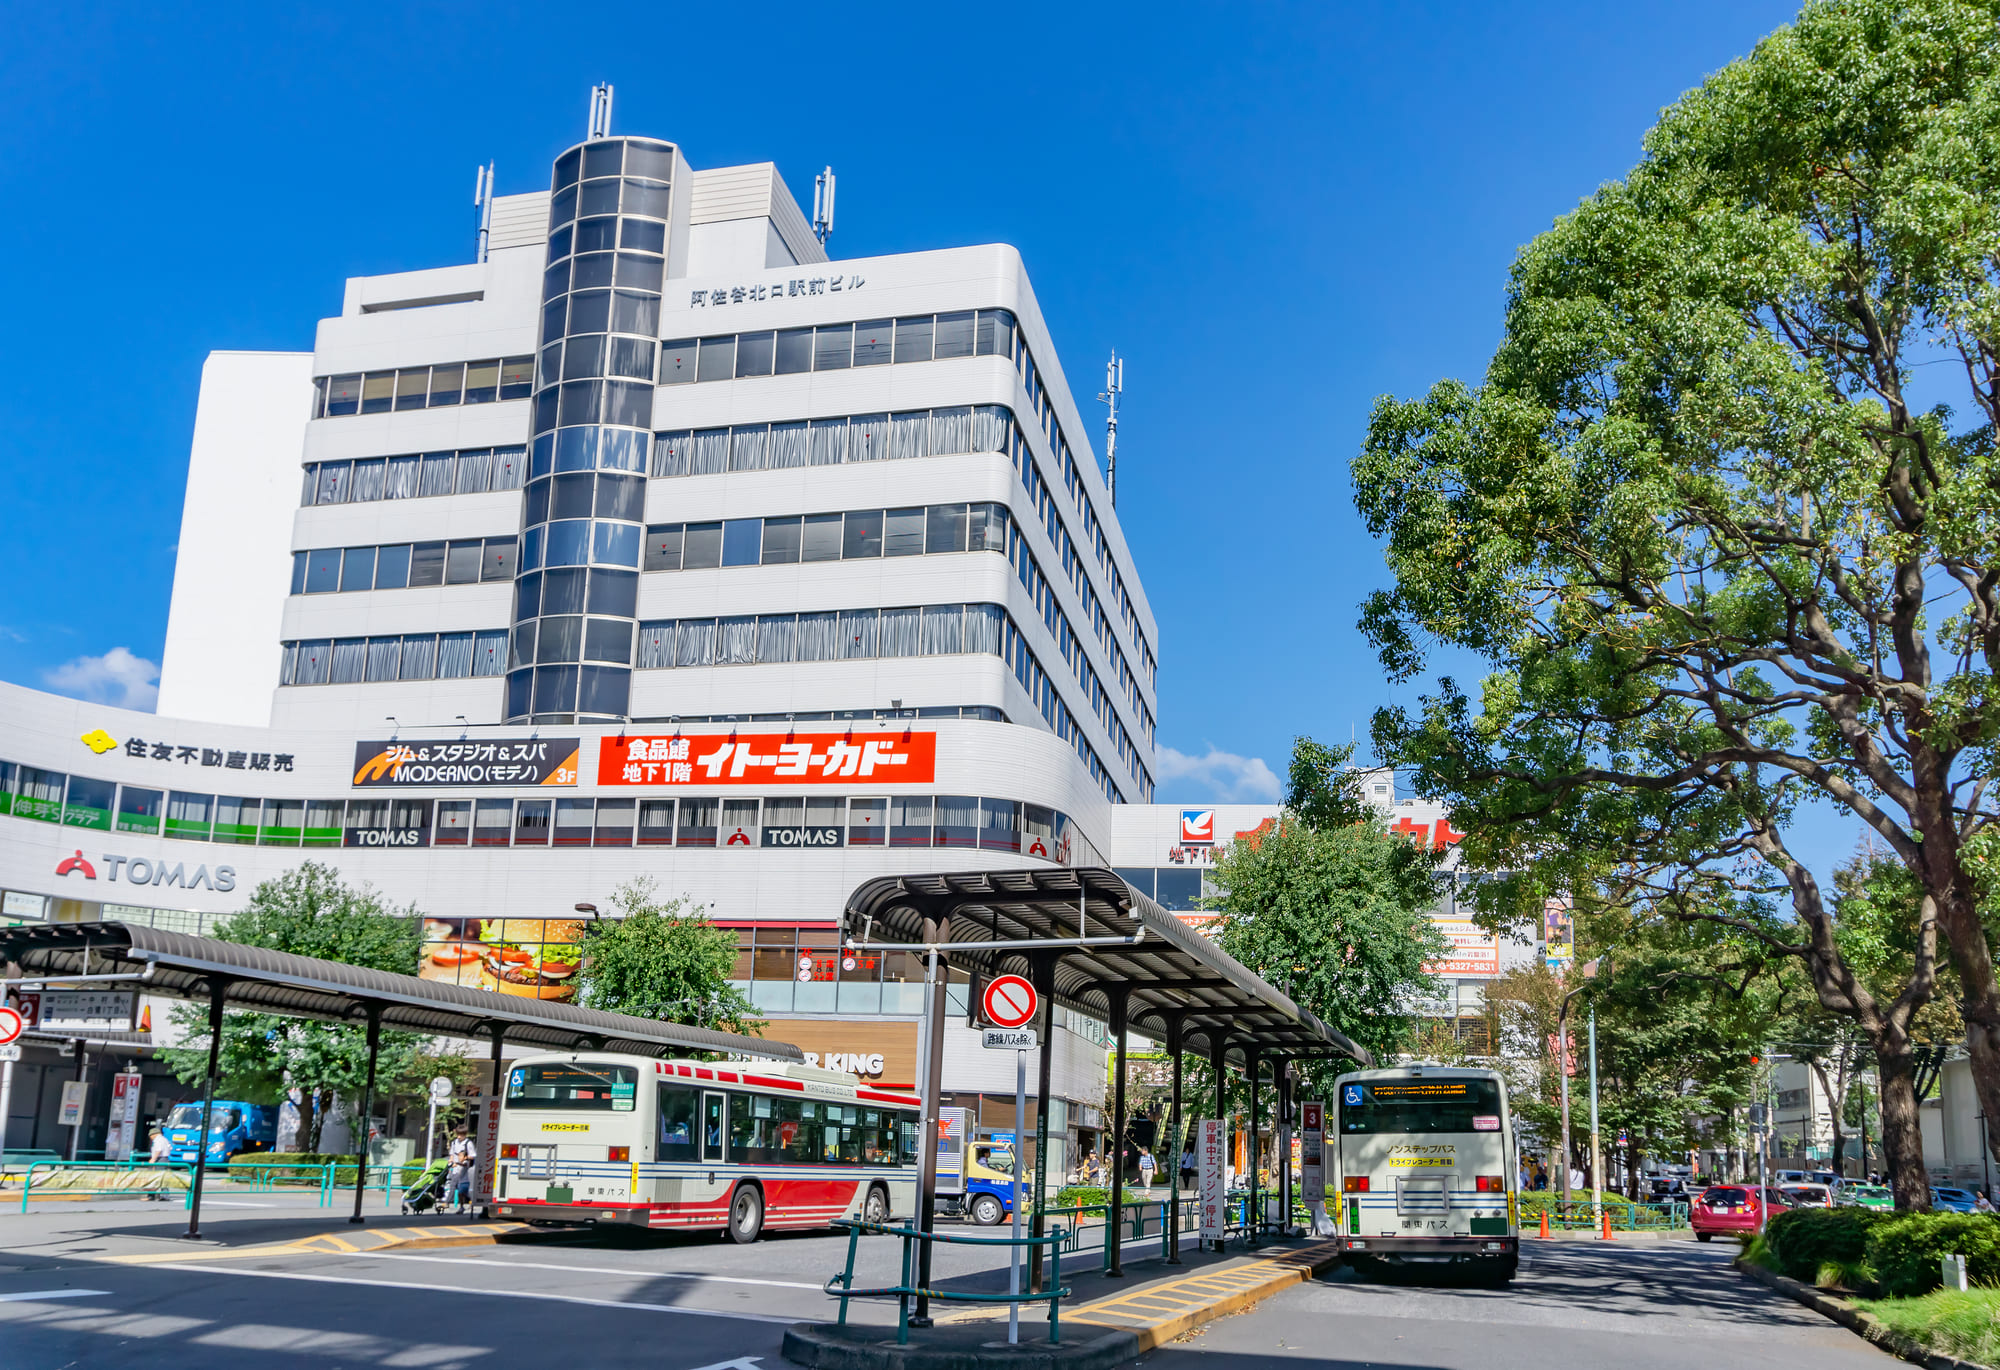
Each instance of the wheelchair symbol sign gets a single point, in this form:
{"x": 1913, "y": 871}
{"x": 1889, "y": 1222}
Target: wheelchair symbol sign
{"x": 1352, "y": 1095}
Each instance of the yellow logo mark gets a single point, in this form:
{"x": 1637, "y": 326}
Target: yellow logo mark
{"x": 99, "y": 741}
{"x": 565, "y": 1127}
{"x": 1420, "y": 1163}
{"x": 387, "y": 762}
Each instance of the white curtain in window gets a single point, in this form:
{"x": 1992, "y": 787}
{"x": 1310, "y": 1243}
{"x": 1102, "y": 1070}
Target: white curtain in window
{"x": 857, "y": 633}
{"x": 454, "y": 656}
{"x": 402, "y": 479}
{"x": 776, "y": 635}
{"x": 437, "y": 477}
{"x": 989, "y": 428}
{"x": 737, "y": 645}
{"x": 315, "y": 662}
{"x": 385, "y": 655}
{"x": 696, "y": 645}
{"x": 489, "y": 652}
{"x": 909, "y": 434}
{"x": 475, "y": 472}
{"x": 656, "y": 645}
{"x": 670, "y": 453}
{"x": 711, "y": 451}
{"x": 982, "y": 628}
{"x": 746, "y": 446}
{"x": 818, "y": 637}
{"x": 336, "y": 478}
{"x": 829, "y": 442}
{"x": 510, "y": 465}
{"x": 901, "y": 629}
{"x": 789, "y": 444}
{"x": 350, "y": 657}
{"x": 951, "y": 430}
{"x": 944, "y": 629}
{"x": 868, "y": 438}
{"x": 288, "y": 659}
{"x": 419, "y": 656}
{"x": 367, "y": 480}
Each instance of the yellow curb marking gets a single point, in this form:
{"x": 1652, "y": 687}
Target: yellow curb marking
{"x": 334, "y": 1244}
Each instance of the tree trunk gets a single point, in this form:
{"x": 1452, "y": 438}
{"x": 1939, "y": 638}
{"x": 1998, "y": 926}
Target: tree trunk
{"x": 312, "y": 1116}
{"x": 1902, "y": 1135}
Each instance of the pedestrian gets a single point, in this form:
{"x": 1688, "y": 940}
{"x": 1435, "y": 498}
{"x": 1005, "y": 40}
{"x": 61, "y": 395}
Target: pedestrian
{"x": 162, "y": 1151}
{"x": 1188, "y": 1172}
{"x": 461, "y": 1156}
{"x": 1147, "y": 1165}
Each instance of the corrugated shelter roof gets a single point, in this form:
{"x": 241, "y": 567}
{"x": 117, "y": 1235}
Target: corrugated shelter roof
{"x": 1172, "y": 971}
{"x": 266, "y": 981}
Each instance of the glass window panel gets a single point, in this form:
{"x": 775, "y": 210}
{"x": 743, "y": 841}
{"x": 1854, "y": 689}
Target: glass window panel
{"x": 739, "y": 823}
{"x": 419, "y": 656}
{"x": 335, "y": 480}
{"x": 711, "y": 451}
{"x": 901, "y": 631}
{"x": 517, "y": 377}
{"x": 561, "y": 639}
{"x": 652, "y": 160}
{"x": 982, "y": 628}
{"x": 583, "y": 357}
{"x": 615, "y": 544}
{"x": 489, "y": 652}
{"x": 987, "y": 528}
{"x": 697, "y": 827}
{"x": 189, "y": 815}
{"x": 576, "y": 449}
{"x": 314, "y": 662}
{"x": 573, "y": 822}
{"x": 139, "y": 810}
{"x": 1178, "y": 889}
{"x": 323, "y": 571}
{"x": 746, "y": 447}
{"x": 357, "y": 569}
{"x": 604, "y": 158}
{"x": 573, "y": 497}
{"x": 491, "y": 822}
{"x": 454, "y": 823}
{"x": 618, "y": 450}
{"x": 951, "y": 430}
{"x": 857, "y": 633}
{"x": 509, "y": 468}
{"x": 833, "y": 347}
{"x": 862, "y": 534}
{"x": 867, "y": 822}
{"x": 629, "y": 403}
{"x": 944, "y": 528}
{"x": 590, "y": 311}
{"x": 910, "y": 821}
{"x": 522, "y": 652}
{"x": 873, "y": 342}
{"x": 596, "y": 235}
{"x": 350, "y": 659}
{"x": 368, "y": 480}
{"x": 635, "y": 311}
{"x": 461, "y": 566}
{"x": 943, "y": 632}
{"x": 754, "y": 354}
{"x": 427, "y": 563}
{"x": 643, "y": 197}
{"x": 954, "y": 335}
{"x": 909, "y": 434}
{"x": 631, "y": 357}
{"x": 436, "y": 474}
{"x": 482, "y": 382}
{"x": 736, "y": 641}
{"x": 701, "y": 546}
{"x": 378, "y": 392}
{"x": 991, "y": 425}
{"x": 795, "y": 350}
{"x": 656, "y": 822}
{"x": 236, "y": 819}
{"x": 498, "y": 559}
{"x": 598, "y": 197}
{"x": 957, "y": 821}
{"x": 829, "y": 442}
{"x": 299, "y": 561}
{"x": 568, "y": 543}
{"x": 995, "y": 333}
{"x": 475, "y": 471}
{"x": 554, "y": 318}
{"x": 608, "y": 639}
{"x": 789, "y": 446}
{"x": 385, "y": 657}
{"x": 454, "y": 656}
{"x": 614, "y": 822}
{"x": 343, "y": 395}
{"x": 677, "y": 361}
{"x": 663, "y": 547}
{"x": 913, "y": 338}
{"x": 776, "y": 634}
{"x": 620, "y": 497}
{"x": 531, "y": 822}
{"x": 999, "y": 825}
{"x": 582, "y": 402}
{"x": 818, "y": 636}
{"x": 413, "y": 387}
{"x": 562, "y": 592}
{"x": 284, "y": 822}
{"x": 717, "y": 361}
{"x": 903, "y": 533}
{"x": 641, "y": 236}
{"x": 696, "y": 643}
{"x": 656, "y": 645}
{"x": 822, "y": 537}
{"x": 741, "y": 539}
{"x": 781, "y": 541}
{"x": 868, "y": 437}
{"x": 555, "y": 690}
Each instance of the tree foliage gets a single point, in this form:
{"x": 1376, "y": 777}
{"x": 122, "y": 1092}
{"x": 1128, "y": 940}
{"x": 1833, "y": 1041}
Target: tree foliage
{"x": 1721, "y": 516}
{"x": 308, "y": 911}
{"x": 662, "y": 960}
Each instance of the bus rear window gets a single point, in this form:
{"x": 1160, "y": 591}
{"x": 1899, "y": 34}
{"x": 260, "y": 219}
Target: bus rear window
{"x": 574, "y": 1085}
{"x": 1440, "y": 1105}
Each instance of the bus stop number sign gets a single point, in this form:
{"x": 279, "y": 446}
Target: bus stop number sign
{"x": 1009, "y": 1002}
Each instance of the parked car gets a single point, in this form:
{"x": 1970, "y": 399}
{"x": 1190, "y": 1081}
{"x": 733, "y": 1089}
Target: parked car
{"x": 1953, "y": 1200}
{"x": 1733, "y": 1210}
{"x": 1854, "y": 1194}
{"x": 1806, "y": 1195}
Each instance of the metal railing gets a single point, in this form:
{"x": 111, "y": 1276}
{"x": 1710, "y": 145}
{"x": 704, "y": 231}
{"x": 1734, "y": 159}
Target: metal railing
{"x": 134, "y": 1177}
{"x": 909, "y": 1289}
{"x": 1626, "y": 1216}
{"x": 102, "y": 1177}
{"x": 1140, "y": 1224}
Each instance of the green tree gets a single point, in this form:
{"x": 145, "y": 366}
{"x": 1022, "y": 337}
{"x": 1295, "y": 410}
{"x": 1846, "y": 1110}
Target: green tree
{"x": 1720, "y": 551}
{"x": 1337, "y": 916}
{"x": 665, "y": 961}
{"x": 308, "y": 911}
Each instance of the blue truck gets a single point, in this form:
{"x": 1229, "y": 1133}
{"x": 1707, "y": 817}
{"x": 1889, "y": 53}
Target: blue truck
{"x": 234, "y": 1128}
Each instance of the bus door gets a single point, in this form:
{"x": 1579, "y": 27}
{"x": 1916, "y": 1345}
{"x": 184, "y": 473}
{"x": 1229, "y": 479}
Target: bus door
{"x": 710, "y": 1186}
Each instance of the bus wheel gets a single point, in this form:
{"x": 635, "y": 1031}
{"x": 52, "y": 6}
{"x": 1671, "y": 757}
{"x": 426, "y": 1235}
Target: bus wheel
{"x": 746, "y": 1214}
{"x": 875, "y": 1208}
{"x": 987, "y": 1210}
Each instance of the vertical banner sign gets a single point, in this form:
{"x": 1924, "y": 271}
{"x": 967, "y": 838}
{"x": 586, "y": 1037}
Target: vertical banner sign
{"x": 1312, "y": 1168}
{"x": 486, "y": 1136}
{"x": 119, "y": 1137}
{"x": 1208, "y": 1155}
{"x": 73, "y": 1095}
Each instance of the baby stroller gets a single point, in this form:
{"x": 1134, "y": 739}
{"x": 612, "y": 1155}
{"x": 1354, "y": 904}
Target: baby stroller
{"x": 426, "y": 1192}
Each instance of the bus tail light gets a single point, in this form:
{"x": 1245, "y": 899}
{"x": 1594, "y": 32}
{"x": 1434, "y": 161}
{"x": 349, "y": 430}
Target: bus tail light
{"x": 621, "y": 1153}
{"x": 510, "y": 1152}
{"x": 1355, "y": 1184}
{"x": 1491, "y": 1184}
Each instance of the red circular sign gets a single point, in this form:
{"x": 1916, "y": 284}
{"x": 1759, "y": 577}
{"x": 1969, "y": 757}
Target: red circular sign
{"x": 1009, "y": 1002}
{"x": 11, "y": 1024}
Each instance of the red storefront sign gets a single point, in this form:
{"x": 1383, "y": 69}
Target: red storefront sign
{"x": 886, "y": 758}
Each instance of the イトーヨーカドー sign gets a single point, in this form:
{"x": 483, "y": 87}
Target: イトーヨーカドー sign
{"x": 885, "y": 757}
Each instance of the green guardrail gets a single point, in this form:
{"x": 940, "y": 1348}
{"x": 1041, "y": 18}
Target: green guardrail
{"x": 909, "y": 1289}
{"x": 1140, "y": 1224}
{"x": 105, "y": 1177}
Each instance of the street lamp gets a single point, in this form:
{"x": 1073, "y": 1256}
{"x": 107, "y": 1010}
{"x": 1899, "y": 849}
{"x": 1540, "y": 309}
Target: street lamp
{"x": 1589, "y": 972}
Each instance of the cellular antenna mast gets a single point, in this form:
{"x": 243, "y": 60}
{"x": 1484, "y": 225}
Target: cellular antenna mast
{"x": 482, "y": 200}
{"x": 823, "y": 206}
{"x": 600, "y": 111}
{"x": 1114, "y": 386}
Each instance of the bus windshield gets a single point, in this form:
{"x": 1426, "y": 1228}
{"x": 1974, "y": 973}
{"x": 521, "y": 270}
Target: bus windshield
{"x": 574, "y": 1085}
{"x": 1414, "y": 1105}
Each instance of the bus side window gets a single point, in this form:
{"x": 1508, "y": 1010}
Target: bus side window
{"x": 753, "y": 1128}
{"x": 907, "y": 1130}
{"x": 799, "y": 1130}
{"x": 678, "y": 1109}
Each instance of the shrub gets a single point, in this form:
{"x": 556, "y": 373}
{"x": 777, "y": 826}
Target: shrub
{"x": 1905, "y": 1252}
{"x": 303, "y": 1167}
{"x": 1801, "y": 1240}
{"x": 1081, "y": 1196}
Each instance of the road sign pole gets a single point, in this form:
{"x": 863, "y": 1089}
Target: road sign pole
{"x": 1016, "y": 1257}
{"x": 6, "y": 1097}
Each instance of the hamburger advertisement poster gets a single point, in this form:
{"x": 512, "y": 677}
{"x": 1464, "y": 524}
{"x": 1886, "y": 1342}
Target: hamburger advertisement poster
{"x": 534, "y": 958}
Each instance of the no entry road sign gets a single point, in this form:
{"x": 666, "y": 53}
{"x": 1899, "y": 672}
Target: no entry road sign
{"x": 11, "y": 1023}
{"x": 1009, "y": 1002}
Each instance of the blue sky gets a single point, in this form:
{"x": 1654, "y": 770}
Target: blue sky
{"x": 1276, "y": 212}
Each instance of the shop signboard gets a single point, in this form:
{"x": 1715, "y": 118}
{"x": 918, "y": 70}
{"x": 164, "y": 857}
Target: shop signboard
{"x": 1474, "y": 951}
{"x": 529, "y": 958}
{"x": 88, "y": 1010}
{"x": 1558, "y": 934}
{"x": 1312, "y": 1167}
{"x": 464, "y": 762}
{"x": 123, "y": 1132}
{"x": 789, "y": 758}
{"x": 486, "y": 1137}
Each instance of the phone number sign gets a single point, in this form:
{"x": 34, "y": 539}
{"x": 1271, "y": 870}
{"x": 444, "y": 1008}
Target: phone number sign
{"x": 769, "y": 758}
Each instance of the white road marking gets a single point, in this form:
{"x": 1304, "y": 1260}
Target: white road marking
{"x": 740, "y": 1363}
{"x": 32, "y": 1295}
{"x": 477, "y": 1293}
{"x": 586, "y": 1270}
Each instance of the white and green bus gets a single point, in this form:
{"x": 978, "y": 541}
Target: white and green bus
{"x": 1423, "y": 1161}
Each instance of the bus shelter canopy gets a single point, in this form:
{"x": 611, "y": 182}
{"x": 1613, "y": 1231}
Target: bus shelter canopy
{"x": 178, "y": 966}
{"x": 1170, "y": 974}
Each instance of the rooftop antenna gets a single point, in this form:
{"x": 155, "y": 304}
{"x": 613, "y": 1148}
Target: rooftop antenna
{"x": 482, "y": 200}
{"x": 1114, "y": 386}
{"x": 600, "y": 111}
{"x": 823, "y": 206}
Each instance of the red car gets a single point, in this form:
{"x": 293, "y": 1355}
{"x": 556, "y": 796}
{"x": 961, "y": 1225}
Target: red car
{"x": 1733, "y": 1210}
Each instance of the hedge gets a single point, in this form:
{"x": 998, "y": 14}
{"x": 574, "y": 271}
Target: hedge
{"x": 302, "y": 1167}
{"x": 1905, "y": 1252}
{"x": 1801, "y": 1240}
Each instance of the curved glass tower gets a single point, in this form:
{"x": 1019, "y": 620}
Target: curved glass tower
{"x": 582, "y": 521}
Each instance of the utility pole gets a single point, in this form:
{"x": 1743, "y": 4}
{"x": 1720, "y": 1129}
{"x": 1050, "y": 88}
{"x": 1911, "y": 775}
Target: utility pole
{"x": 1114, "y": 386}
{"x": 1596, "y": 1175}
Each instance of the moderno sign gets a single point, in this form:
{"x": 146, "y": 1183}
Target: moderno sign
{"x": 508, "y": 761}
{"x": 769, "y": 758}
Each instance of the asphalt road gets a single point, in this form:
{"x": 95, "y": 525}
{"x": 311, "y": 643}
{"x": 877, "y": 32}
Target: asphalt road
{"x": 1651, "y": 1306}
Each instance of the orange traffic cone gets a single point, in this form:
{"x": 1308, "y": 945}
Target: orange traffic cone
{"x": 1604, "y": 1215}
{"x": 1545, "y": 1224}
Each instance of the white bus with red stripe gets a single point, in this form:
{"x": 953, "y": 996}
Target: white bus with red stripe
{"x": 590, "y": 1137}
